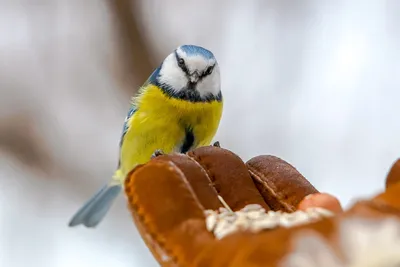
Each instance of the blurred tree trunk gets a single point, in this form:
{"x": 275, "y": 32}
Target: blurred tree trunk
{"x": 19, "y": 138}
{"x": 135, "y": 54}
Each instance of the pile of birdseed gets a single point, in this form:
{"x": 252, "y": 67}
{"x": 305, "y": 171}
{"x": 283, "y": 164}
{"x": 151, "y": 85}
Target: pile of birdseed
{"x": 254, "y": 218}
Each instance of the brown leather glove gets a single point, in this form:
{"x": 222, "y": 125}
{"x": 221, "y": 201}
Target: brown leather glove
{"x": 175, "y": 199}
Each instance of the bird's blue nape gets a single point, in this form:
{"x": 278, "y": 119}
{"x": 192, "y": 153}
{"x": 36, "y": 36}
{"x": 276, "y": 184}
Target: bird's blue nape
{"x": 193, "y": 50}
{"x": 153, "y": 77}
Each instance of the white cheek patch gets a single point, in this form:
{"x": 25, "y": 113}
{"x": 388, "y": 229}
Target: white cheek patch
{"x": 172, "y": 75}
{"x": 210, "y": 84}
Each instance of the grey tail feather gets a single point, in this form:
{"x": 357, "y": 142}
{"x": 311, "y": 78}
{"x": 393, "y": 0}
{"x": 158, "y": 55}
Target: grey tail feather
{"x": 94, "y": 210}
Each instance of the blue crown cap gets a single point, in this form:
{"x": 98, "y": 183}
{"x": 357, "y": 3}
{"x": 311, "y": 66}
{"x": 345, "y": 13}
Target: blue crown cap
{"x": 193, "y": 50}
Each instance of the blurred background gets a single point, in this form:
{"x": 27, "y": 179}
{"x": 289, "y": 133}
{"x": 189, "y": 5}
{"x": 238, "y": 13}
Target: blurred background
{"x": 313, "y": 82}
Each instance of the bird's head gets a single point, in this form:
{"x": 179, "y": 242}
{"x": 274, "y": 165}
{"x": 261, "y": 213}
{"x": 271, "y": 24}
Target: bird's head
{"x": 190, "y": 73}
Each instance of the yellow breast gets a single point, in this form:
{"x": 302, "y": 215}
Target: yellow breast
{"x": 160, "y": 123}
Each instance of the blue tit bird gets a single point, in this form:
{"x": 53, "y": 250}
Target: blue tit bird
{"x": 177, "y": 109}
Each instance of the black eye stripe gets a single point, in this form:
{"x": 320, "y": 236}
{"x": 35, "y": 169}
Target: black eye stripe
{"x": 208, "y": 71}
{"x": 181, "y": 63}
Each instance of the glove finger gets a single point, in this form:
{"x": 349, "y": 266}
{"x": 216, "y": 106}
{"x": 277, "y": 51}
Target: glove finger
{"x": 168, "y": 214}
{"x": 229, "y": 176}
{"x": 389, "y": 200}
{"x": 393, "y": 176}
{"x": 321, "y": 200}
{"x": 280, "y": 184}
{"x": 197, "y": 178}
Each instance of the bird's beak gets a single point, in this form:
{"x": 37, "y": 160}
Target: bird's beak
{"x": 194, "y": 77}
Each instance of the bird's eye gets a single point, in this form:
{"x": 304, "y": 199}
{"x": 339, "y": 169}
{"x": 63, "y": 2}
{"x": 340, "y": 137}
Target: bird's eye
{"x": 181, "y": 62}
{"x": 209, "y": 70}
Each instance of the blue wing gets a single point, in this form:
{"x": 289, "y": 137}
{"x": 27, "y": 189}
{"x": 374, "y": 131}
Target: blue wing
{"x": 151, "y": 80}
{"x": 125, "y": 128}
{"x": 133, "y": 108}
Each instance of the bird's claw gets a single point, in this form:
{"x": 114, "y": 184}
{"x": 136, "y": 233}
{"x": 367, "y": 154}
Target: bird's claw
{"x": 217, "y": 144}
{"x": 157, "y": 153}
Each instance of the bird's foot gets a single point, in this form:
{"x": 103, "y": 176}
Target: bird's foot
{"x": 217, "y": 144}
{"x": 157, "y": 153}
